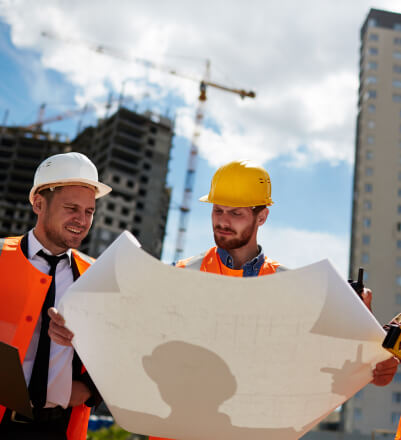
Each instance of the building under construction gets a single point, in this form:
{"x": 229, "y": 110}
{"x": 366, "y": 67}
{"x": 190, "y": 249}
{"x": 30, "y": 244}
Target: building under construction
{"x": 131, "y": 152}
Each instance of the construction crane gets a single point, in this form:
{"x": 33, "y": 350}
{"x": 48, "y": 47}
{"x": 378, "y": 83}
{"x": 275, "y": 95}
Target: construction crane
{"x": 204, "y": 83}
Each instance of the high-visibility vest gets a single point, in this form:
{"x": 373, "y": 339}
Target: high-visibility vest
{"x": 23, "y": 292}
{"x": 398, "y": 434}
{"x": 210, "y": 262}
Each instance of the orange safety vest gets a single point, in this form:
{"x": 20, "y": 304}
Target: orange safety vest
{"x": 210, "y": 262}
{"x": 23, "y": 291}
{"x": 398, "y": 434}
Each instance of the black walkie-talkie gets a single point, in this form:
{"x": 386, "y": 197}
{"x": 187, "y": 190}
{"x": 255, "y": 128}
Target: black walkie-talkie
{"x": 358, "y": 285}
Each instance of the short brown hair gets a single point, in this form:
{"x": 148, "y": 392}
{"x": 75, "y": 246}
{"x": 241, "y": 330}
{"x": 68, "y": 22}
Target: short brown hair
{"x": 257, "y": 209}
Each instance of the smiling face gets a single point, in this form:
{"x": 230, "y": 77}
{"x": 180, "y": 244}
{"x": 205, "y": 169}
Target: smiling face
{"x": 64, "y": 219}
{"x": 235, "y": 228}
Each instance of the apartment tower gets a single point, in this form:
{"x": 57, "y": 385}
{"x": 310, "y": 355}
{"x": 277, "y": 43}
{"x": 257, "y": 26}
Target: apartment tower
{"x": 376, "y": 217}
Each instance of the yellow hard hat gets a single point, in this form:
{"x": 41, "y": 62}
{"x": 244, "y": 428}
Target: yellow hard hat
{"x": 239, "y": 184}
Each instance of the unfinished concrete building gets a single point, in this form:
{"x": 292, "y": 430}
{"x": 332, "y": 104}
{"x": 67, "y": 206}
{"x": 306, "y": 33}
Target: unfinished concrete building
{"x": 21, "y": 151}
{"x": 131, "y": 152}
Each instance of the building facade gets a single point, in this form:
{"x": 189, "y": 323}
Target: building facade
{"x": 131, "y": 152}
{"x": 376, "y": 218}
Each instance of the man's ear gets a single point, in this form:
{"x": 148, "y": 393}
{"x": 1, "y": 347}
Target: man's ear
{"x": 38, "y": 204}
{"x": 262, "y": 216}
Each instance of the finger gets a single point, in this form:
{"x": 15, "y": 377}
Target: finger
{"x": 59, "y": 339}
{"x": 60, "y": 330}
{"x": 55, "y": 316}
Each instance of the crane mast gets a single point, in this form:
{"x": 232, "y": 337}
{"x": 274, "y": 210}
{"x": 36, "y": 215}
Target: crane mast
{"x": 205, "y": 82}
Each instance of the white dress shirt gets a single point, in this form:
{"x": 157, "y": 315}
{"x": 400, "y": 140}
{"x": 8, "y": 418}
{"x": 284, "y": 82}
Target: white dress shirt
{"x": 59, "y": 381}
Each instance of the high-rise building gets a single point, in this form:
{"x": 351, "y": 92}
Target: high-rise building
{"x": 131, "y": 152}
{"x": 376, "y": 218}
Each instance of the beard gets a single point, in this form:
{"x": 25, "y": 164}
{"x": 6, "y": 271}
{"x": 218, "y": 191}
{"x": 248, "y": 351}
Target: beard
{"x": 228, "y": 243}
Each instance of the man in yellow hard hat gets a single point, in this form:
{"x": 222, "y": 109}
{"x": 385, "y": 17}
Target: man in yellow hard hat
{"x": 241, "y": 194}
{"x": 35, "y": 271}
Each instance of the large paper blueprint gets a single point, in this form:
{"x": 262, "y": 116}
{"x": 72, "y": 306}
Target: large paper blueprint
{"x": 188, "y": 355}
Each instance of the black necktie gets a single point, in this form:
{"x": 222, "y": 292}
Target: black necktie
{"x": 38, "y": 384}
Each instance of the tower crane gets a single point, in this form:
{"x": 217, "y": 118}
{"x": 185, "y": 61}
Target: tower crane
{"x": 204, "y": 83}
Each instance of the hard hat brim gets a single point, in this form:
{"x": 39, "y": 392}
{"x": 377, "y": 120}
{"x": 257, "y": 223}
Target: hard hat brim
{"x": 101, "y": 188}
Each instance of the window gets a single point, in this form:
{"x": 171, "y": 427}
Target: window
{"x": 398, "y": 302}
{"x": 397, "y": 40}
{"x": 399, "y": 226}
{"x": 359, "y": 395}
{"x": 142, "y": 192}
{"x": 357, "y": 413}
{"x": 373, "y": 37}
{"x": 367, "y": 205}
{"x": 397, "y": 377}
{"x": 396, "y": 97}
{"x": 373, "y": 50}
{"x": 367, "y": 222}
{"x": 398, "y": 280}
{"x": 372, "y": 22}
{"x": 139, "y": 205}
{"x": 138, "y": 219}
{"x": 397, "y": 26}
{"x": 366, "y": 239}
{"x": 399, "y": 209}
{"x": 371, "y": 124}
{"x": 397, "y": 55}
{"x": 111, "y": 206}
{"x": 122, "y": 225}
{"x": 108, "y": 220}
{"x": 396, "y": 397}
{"x": 370, "y": 140}
{"x": 369, "y": 155}
{"x": 144, "y": 179}
{"x": 124, "y": 211}
{"x": 398, "y": 244}
{"x": 365, "y": 276}
{"x": 153, "y": 129}
{"x": 398, "y": 261}
{"x": 371, "y": 65}
{"x": 130, "y": 184}
{"x": 371, "y": 108}
{"x": 148, "y": 154}
{"x": 371, "y": 94}
{"x": 368, "y": 171}
{"x": 399, "y": 176}
{"x": 370, "y": 80}
{"x": 116, "y": 179}
{"x": 151, "y": 141}
{"x": 365, "y": 258}
{"x": 395, "y": 418}
{"x": 368, "y": 187}
{"x": 397, "y": 83}
{"x": 397, "y": 68}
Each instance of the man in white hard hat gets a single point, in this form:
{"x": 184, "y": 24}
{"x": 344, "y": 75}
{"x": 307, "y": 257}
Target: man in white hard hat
{"x": 35, "y": 271}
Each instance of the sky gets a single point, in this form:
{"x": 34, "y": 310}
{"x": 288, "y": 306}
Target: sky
{"x": 300, "y": 58}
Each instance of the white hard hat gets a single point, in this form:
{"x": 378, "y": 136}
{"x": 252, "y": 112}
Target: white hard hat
{"x": 67, "y": 169}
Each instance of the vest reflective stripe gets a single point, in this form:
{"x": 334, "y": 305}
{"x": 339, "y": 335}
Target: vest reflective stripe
{"x": 23, "y": 290}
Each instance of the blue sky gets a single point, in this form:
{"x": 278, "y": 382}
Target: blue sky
{"x": 300, "y": 126}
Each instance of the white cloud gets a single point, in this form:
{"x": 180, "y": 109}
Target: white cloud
{"x": 296, "y": 247}
{"x": 300, "y": 57}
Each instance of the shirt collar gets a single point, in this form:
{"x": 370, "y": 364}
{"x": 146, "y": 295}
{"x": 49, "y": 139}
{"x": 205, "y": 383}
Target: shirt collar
{"x": 228, "y": 260}
{"x": 34, "y": 246}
